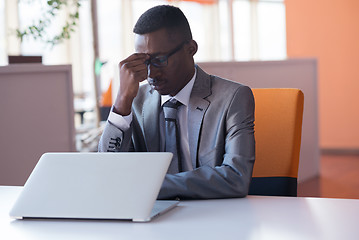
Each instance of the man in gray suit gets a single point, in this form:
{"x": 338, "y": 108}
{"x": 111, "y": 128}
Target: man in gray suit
{"x": 215, "y": 117}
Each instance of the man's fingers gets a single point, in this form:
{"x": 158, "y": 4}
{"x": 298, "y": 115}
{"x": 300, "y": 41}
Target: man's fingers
{"x": 137, "y": 64}
{"x": 135, "y": 70}
{"x": 138, "y": 58}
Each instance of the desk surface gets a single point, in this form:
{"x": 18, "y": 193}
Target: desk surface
{"x": 254, "y": 217}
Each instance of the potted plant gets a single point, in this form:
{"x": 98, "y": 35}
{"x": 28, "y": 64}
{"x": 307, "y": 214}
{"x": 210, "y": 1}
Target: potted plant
{"x": 38, "y": 30}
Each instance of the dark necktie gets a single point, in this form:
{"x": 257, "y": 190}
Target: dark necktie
{"x": 172, "y": 138}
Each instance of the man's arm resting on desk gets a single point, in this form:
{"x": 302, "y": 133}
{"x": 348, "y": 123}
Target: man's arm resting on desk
{"x": 205, "y": 183}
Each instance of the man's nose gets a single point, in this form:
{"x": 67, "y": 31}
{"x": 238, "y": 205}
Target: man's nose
{"x": 153, "y": 72}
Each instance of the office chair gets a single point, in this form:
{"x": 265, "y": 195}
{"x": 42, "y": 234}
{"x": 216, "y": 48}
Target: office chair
{"x": 278, "y": 128}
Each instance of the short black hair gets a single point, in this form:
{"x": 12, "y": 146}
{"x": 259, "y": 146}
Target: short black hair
{"x": 163, "y": 16}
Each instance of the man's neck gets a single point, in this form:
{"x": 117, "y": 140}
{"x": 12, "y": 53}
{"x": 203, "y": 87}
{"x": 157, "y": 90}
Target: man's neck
{"x": 184, "y": 94}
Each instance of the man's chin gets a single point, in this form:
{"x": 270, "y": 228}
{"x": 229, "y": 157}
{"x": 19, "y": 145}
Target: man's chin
{"x": 162, "y": 91}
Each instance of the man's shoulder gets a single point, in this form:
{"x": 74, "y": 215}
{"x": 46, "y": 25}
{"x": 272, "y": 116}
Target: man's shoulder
{"x": 227, "y": 82}
{"x": 226, "y": 87}
{"x": 220, "y": 82}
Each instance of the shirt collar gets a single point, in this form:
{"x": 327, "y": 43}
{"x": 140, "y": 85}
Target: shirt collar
{"x": 184, "y": 94}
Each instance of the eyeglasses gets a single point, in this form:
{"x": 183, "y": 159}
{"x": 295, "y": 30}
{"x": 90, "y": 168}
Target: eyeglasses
{"x": 162, "y": 61}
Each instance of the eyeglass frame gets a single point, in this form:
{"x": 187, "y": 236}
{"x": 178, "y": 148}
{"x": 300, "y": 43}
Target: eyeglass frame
{"x": 165, "y": 57}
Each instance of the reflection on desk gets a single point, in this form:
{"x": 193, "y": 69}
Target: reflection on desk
{"x": 254, "y": 217}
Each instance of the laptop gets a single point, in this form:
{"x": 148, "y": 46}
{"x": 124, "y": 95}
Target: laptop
{"x": 117, "y": 186}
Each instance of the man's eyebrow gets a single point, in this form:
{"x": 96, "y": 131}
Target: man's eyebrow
{"x": 156, "y": 54}
{"x": 152, "y": 54}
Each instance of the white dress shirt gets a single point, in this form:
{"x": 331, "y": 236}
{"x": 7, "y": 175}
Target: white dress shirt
{"x": 123, "y": 122}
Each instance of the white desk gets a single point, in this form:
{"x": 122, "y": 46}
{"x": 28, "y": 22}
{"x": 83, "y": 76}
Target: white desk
{"x": 253, "y": 217}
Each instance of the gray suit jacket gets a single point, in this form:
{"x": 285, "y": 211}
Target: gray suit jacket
{"x": 221, "y": 138}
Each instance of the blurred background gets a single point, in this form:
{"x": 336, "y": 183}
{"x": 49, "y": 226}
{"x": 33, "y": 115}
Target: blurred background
{"x": 94, "y": 36}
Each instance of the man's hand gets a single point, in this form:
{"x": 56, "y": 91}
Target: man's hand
{"x": 133, "y": 70}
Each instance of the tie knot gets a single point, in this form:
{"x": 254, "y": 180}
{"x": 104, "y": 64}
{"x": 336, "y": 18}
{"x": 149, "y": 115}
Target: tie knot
{"x": 172, "y": 103}
{"x": 170, "y": 109}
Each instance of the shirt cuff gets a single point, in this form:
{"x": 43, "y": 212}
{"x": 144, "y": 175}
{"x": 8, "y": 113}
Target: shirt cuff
{"x": 119, "y": 121}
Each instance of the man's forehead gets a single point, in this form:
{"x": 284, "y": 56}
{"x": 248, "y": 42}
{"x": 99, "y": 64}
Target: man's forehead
{"x": 154, "y": 42}
{"x": 160, "y": 34}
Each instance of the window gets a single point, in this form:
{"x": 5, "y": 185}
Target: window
{"x": 271, "y": 30}
{"x": 229, "y": 30}
{"x": 258, "y": 28}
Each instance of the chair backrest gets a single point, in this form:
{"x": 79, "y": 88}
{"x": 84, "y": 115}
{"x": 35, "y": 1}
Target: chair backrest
{"x": 278, "y": 129}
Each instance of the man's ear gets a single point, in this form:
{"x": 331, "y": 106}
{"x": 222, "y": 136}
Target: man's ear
{"x": 192, "y": 47}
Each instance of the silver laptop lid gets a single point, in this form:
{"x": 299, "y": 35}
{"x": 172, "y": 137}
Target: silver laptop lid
{"x": 93, "y": 185}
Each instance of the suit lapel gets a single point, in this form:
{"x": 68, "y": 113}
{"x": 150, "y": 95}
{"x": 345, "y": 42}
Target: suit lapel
{"x": 196, "y": 110}
{"x": 150, "y": 113}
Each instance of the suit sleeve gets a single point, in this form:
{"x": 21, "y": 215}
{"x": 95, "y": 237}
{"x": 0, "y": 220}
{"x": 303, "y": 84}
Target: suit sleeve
{"x": 113, "y": 139}
{"x": 232, "y": 177}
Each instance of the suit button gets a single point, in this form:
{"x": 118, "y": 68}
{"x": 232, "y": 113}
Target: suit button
{"x": 118, "y": 142}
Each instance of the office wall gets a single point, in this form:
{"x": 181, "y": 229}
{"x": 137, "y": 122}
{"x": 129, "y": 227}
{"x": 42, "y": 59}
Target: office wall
{"x": 329, "y": 31}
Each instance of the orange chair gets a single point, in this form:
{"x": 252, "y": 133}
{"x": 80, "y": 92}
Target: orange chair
{"x": 278, "y": 128}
